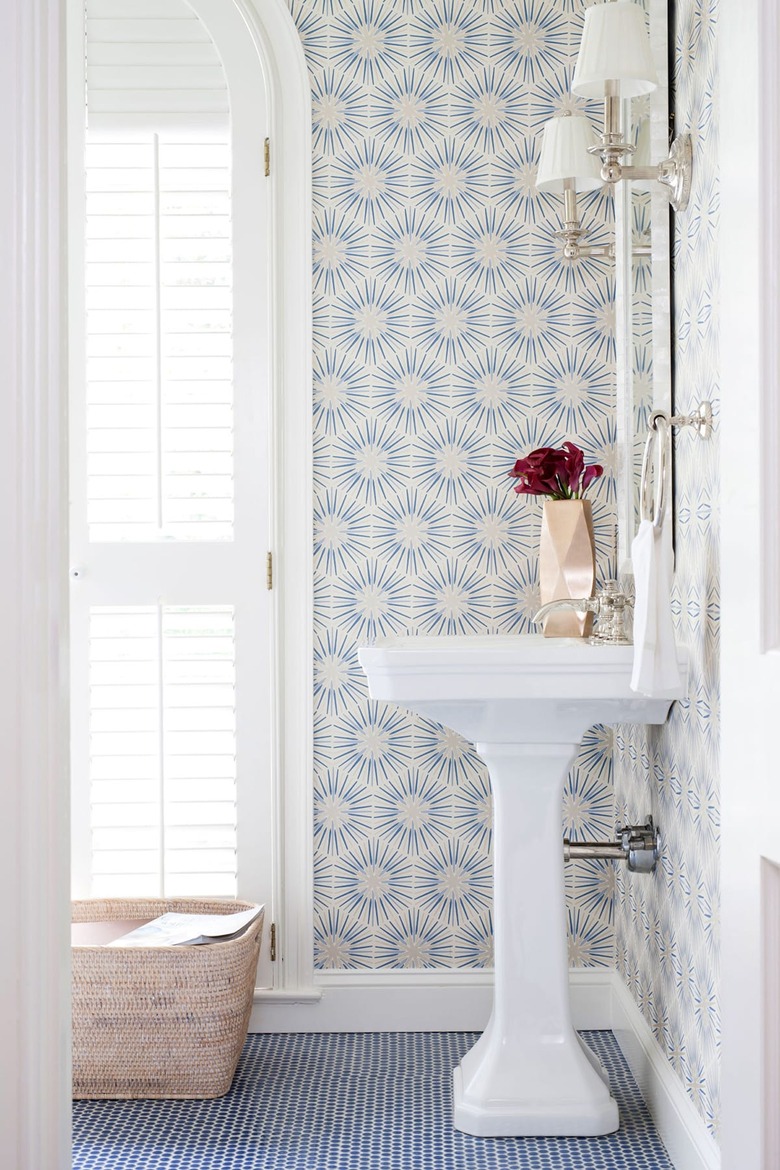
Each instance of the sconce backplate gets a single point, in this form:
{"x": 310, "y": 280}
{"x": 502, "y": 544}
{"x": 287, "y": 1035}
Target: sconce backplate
{"x": 678, "y": 175}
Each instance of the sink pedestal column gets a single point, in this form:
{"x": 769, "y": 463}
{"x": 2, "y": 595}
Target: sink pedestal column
{"x": 529, "y": 1074}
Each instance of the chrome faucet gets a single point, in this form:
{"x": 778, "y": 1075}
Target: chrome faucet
{"x": 610, "y": 607}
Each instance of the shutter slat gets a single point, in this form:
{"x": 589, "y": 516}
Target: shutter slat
{"x": 163, "y": 101}
{"x": 144, "y": 76}
{"x": 139, "y": 9}
{"x": 141, "y": 32}
{"x": 127, "y": 864}
{"x": 202, "y": 861}
{"x": 177, "y": 53}
{"x": 199, "y": 837}
{"x": 130, "y": 124}
{"x": 187, "y": 885}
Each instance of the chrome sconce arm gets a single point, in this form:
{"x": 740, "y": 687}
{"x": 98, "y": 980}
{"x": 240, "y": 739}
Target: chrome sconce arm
{"x": 673, "y": 172}
{"x": 615, "y": 62}
{"x": 573, "y": 232}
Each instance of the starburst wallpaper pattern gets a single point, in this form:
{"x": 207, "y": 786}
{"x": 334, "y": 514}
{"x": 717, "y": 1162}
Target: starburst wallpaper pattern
{"x": 668, "y": 926}
{"x": 450, "y": 337}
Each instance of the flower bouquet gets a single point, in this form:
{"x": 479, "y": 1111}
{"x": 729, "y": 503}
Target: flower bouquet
{"x": 560, "y": 474}
{"x": 567, "y": 555}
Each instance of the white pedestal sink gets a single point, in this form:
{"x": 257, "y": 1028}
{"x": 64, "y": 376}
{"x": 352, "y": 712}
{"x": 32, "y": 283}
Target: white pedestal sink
{"x": 525, "y": 702}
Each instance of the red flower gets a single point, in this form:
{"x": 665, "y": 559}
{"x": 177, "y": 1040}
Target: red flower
{"x": 592, "y": 472}
{"x": 575, "y": 465}
{"x": 560, "y": 474}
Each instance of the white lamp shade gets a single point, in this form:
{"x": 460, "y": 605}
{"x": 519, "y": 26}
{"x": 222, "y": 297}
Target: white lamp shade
{"x": 615, "y": 46}
{"x": 564, "y": 155}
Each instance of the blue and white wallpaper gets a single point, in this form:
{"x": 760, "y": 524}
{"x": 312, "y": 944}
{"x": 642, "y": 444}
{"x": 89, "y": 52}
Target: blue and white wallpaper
{"x": 668, "y": 926}
{"x": 450, "y": 337}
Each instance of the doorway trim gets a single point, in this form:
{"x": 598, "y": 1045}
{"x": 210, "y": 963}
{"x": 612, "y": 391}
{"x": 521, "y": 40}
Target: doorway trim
{"x": 289, "y": 102}
{"x": 35, "y": 974}
{"x": 34, "y": 860}
{"x": 750, "y": 665}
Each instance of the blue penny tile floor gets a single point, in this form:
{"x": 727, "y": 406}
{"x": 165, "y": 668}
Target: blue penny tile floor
{"x": 356, "y": 1101}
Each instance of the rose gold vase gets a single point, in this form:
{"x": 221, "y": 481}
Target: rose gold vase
{"x": 567, "y": 564}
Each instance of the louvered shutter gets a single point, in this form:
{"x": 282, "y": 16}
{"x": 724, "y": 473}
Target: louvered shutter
{"x": 162, "y": 750}
{"x": 159, "y": 346}
{"x": 171, "y": 637}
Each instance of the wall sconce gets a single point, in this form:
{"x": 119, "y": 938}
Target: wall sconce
{"x": 566, "y": 166}
{"x": 615, "y": 62}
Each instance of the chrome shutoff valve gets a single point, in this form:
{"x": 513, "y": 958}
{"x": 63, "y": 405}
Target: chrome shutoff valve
{"x": 638, "y": 845}
{"x": 641, "y": 845}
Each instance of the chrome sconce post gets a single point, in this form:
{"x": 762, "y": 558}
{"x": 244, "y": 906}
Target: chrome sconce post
{"x": 566, "y": 167}
{"x": 614, "y": 63}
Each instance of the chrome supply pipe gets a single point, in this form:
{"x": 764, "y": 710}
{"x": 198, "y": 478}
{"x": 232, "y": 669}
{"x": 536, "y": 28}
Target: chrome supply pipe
{"x": 608, "y": 850}
{"x": 638, "y": 845}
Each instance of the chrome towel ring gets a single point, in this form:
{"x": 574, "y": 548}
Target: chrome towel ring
{"x": 657, "y": 458}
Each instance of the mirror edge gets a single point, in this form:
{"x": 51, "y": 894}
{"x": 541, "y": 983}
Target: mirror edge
{"x": 661, "y": 293}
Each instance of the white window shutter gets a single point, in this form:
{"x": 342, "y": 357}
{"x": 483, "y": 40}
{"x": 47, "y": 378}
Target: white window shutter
{"x": 171, "y": 630}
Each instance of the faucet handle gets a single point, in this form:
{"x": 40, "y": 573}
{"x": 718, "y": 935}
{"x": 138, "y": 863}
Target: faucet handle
{"x": 613, "y": 610}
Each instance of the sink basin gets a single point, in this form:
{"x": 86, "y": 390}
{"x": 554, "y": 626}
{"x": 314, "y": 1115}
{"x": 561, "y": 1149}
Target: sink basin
{"x": 525, "y": 703}
{"x": 491, "y": 688}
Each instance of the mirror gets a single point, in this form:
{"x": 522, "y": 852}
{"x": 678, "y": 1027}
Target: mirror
{"x": 642, "y": 290}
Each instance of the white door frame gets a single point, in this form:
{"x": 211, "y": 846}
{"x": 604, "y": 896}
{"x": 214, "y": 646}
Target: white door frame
{"x": 280, "y": 52}
{"x": 34, "y": 973}
{"x": 34, "y": 861}
{"x": 289, "y": 101}
{"x": 750, "y": 525}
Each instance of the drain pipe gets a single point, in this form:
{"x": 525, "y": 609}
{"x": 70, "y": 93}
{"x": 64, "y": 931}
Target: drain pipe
{"x": 638, "y": 845}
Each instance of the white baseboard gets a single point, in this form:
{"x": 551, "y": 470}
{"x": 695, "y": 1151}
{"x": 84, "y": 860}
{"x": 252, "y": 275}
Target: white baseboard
{"x": 681, "y": 1129}
{"x": 460, "y": 1001}
{"x": 411, "y": 1001}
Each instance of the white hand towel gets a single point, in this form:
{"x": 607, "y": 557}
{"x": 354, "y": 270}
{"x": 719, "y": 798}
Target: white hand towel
{"x": 656, "y": 672}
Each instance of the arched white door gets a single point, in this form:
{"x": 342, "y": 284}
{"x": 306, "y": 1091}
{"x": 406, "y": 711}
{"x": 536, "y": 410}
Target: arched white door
{"x": 178, "y": 770}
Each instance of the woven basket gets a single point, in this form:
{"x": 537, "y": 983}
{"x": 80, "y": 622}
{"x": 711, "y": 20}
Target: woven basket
{"x": 153, "y": 1022}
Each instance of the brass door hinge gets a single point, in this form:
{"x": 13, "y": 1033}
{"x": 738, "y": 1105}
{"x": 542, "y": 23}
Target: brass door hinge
{"x": 267, "y": 156}
{"x": 269, "y": 570}
{"x": 273, "y": 942}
